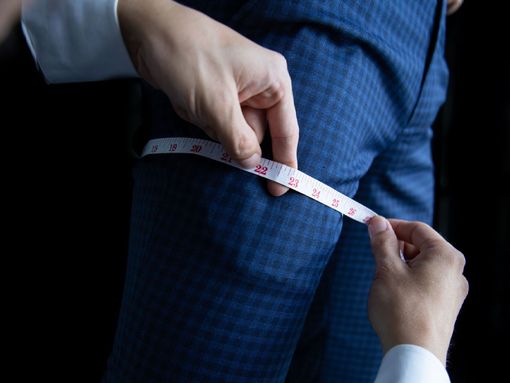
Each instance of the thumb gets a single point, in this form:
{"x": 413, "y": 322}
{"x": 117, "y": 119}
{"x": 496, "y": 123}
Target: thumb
{"x": 234, "y": 133}
{"x": 385, "y": 245}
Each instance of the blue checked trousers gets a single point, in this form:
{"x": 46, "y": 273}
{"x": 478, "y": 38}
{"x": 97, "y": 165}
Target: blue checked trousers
{"x": 226, "y": 283}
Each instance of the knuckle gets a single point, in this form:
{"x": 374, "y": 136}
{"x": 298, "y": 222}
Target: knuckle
{"x": 280, "y": 68}
{"x": 241, "y": 147}
{"x": 450, "y": 259}
{"x": 422, "y": 225}
{"x": 280, "y": 60}
{"x": 464, "y": 287}
{"x": 461, "y": 259}
{"x": 434, "y": 244}
{"x": 420, "y": 230}
{"x": 454, "y": 258}
{"x": 277, "y": 89}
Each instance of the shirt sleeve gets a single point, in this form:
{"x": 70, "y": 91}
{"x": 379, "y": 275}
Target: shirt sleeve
{"x": 407, "y": 363}
{"x": 76, "y": 40}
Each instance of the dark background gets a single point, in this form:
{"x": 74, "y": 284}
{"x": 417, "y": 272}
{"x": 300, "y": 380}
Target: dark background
{"x": 472, "y": 155}
{"x": 67, "y": 188}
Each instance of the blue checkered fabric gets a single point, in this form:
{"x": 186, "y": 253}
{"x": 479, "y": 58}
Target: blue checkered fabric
{"x": 226, "y": 283}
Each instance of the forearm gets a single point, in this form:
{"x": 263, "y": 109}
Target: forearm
{"x": 215, "y": 78}
{"x": 74, "y": 41}
{"x": 138, "y": 22}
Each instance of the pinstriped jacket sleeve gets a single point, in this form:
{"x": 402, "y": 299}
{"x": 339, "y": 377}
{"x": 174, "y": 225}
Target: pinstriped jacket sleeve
{"x": 407, "y": 363}
{"x": 76, "y": 40}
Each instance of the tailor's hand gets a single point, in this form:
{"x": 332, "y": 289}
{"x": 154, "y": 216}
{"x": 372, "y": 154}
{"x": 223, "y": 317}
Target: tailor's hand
{"x": 215, "y": 78}
{"x": 418, "y": 301}
{"x": 453, "y": 6}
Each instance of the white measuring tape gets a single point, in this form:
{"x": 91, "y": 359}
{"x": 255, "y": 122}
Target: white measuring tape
{"x": 274, "y": 171}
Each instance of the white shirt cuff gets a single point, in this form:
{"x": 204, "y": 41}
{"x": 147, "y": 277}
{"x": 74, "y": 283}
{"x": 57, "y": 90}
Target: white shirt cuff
{"x": 76, "y": 40}
{"x": 407, "y": 363}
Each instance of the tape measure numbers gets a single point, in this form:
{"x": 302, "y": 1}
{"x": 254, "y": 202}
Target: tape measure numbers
{"x": 272, "y": 170}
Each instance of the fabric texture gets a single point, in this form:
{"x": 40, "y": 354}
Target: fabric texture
{"x": 226, "y": 283}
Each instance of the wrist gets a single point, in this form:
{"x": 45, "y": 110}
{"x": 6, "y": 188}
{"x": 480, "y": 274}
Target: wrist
{"x": 130, "y": 13}
{"x": 140, "y": 21}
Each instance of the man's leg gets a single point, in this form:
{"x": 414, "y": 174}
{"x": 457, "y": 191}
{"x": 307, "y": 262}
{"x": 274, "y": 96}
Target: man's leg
{"x": 338, "y": 343}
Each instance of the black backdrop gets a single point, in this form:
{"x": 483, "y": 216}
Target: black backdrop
{"x": 472, "y": 152}
{"x": 67, "y": 189}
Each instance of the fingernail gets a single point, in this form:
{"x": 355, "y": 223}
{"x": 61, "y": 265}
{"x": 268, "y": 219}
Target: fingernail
{"x": 251, "y": 162}
{"x": 377, "y": 225}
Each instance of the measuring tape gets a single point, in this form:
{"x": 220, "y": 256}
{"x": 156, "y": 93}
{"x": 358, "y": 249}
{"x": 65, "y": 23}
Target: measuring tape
{"x": 274, "y": 171}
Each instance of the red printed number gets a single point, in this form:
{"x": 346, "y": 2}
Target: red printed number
{"x": 335, "y": 202}
{"x": 196, "y": 148}
{"x": 172, "y": 147}
{"x": 316, "y": 193}
{"x": 294, "y": 182}
{"x": 261, "y": 170}
{"x": 154, "y": 148}
{"x": 226, "y": 157}
{"x": 351, "y": 211}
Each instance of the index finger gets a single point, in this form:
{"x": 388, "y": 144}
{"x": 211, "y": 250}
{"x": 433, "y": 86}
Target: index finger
{"x": 284, "y": 131}
{"x": 418, "y": 234}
